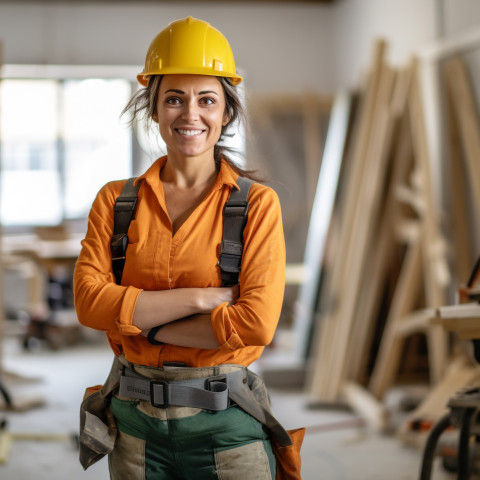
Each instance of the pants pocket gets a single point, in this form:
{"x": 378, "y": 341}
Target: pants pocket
{"x": 127, "y": 459}
{"x": 247, "y": 461}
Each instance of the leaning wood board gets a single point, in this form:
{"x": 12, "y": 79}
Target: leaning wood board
{"x": 436, "y": 271}
{"x": 362, "y": 223}
{"x": 460, "y": 87}
{"x": 320, "y": 221}
{"x": 322, "y": 361}
{"x": 383, "y": 242}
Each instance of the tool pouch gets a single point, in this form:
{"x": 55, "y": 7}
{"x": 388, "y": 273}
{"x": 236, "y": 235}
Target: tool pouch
{"x": 98, "y": 430}
{"x": 288, "y": 458}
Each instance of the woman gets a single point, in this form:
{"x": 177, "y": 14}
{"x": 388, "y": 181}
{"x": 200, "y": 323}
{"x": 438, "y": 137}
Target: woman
{"x": 173, "y": 327}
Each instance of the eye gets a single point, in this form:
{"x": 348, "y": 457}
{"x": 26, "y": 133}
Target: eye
{"x": 173, "y": 101}
{"x": 207, "y": 101}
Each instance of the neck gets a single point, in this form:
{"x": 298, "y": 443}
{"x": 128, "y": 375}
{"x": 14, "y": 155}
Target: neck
{"x": 188, "y": 172}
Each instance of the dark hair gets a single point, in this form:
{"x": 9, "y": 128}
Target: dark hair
{"x": 143, "y": 103}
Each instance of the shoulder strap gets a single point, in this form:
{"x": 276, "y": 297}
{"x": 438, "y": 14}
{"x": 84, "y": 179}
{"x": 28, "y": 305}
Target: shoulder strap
{"x": 235, "y": 214}
{"x": 124, "y": 212}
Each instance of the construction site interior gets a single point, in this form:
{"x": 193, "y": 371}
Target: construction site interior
{"x": 364, "y": 116}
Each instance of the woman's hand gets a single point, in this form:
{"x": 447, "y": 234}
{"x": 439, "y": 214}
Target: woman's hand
{"x": 210, "y": 298}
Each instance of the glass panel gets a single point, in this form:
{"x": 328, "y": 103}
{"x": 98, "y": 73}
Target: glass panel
{"x": 97, "y": 143}
{"x": 30, "y": 197}
{"x": 30, "y": 182}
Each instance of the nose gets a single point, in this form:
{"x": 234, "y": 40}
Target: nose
{"x": 190, "y": 111}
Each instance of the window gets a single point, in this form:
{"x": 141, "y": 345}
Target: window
{"x": 60, "y": 141}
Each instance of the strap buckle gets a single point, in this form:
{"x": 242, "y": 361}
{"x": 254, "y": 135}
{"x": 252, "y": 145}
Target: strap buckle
{"x": 235, "y": 209}
{"x": 216, "y": 379}
{"x": 164, "y": 384}
{"x": 126, "y": 204}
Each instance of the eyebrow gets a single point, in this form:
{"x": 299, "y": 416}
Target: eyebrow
{"x": 181, "y": 92}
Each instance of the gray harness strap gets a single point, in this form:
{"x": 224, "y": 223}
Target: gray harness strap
{"x": 124, "y": 212}
{"x": 235, "y": 214}
{"x": 209, "y": 393}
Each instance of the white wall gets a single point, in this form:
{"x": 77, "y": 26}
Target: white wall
{"x": 404, "y": 24}
{"x": 281, "y": 48}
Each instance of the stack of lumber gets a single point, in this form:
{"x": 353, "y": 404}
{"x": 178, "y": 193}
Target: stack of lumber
{"x": 391, "y": 264}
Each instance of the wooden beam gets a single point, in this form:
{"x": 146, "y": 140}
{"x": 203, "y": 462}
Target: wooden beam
{"x": 457, "y": 180}
{"x": 363, "y": 222}
{"x": 383, "y": 242}
{"x": 320, "y": 221}
{"x": 405, "y": 298}
{"x": 465, "y": 110}
{"x": 435, "y": 268}
{"x": 326, "y": 356}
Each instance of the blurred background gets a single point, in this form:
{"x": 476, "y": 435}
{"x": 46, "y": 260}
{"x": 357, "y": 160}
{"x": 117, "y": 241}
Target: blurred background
{"x": 363, "y": 116}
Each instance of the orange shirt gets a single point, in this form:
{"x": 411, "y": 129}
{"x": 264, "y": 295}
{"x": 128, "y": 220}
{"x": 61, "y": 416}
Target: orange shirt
{"x": 156, "y": 260}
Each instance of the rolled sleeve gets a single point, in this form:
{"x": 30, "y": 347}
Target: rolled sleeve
{"x": 124, "y": 323}
{"x": 224, "y": 330}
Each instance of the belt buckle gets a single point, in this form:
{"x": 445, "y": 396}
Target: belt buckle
{"x": 165, "y": 394}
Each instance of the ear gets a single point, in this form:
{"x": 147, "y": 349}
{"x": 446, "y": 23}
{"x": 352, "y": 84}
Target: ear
{"x": 155, "y": 117}
{"x": 226, "y": 119}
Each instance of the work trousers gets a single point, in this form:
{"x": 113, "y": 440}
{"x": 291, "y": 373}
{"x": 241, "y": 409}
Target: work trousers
{"x": 184, "y": 443}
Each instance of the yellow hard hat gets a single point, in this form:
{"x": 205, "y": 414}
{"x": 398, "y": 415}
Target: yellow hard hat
{"x": 189, "y": 46}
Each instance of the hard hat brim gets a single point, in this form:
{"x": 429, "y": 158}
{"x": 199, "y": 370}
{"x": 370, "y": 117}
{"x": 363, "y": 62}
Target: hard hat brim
{"x": 143, "y": 78}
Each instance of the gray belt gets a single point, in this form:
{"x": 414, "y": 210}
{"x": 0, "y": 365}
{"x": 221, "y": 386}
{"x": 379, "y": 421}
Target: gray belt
{"x": 209, "y": 393}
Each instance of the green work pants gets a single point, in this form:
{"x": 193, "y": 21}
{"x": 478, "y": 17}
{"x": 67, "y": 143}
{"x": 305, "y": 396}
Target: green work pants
{"x": 183, "y": 443}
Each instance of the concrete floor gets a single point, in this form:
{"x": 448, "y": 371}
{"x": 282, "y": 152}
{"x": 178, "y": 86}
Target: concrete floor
{"x": 335, "y": 446}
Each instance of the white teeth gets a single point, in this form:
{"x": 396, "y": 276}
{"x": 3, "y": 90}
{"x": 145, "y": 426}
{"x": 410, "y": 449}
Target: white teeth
{"x": 189, "y": 133}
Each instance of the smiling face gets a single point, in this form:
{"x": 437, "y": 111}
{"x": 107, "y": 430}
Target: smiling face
{"x": 190, "y": 112}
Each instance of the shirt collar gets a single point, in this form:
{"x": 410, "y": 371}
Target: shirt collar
{"x": 226, "y": 176}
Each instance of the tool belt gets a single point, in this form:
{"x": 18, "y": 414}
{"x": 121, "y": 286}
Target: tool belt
{"x": 209, "y": 388}
{"x": 208, "y": 393}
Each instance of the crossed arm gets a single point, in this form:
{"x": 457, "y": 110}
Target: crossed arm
{"x": 184, "y": 314}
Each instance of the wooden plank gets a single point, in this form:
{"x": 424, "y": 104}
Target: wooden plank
{"x": 467, "y": 334}
{"x": 358, "y": 151}
{"x": 465, "y": 110}
{"x": 460, "y": 231}
{"x": 320, "y": 220}
{"x": 383, "y": 242}
{"x": 435, "y": 268}
{"x": 460, "y": 373}
{"x": 318, "y": 378}
{"x": 404, "y": 300}
{"x": 415, "y": 322}
{"x": 362, "y": 225}
{"x": 464, "y": 310}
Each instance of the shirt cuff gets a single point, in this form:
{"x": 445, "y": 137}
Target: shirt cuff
{"x": 224, "y": 331}
{"x": 124, "y": 323}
